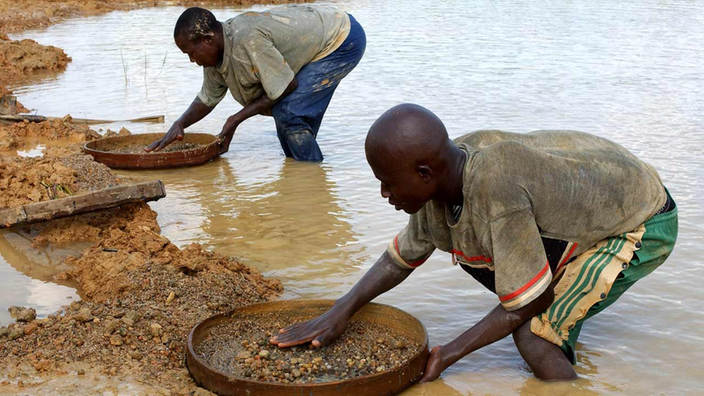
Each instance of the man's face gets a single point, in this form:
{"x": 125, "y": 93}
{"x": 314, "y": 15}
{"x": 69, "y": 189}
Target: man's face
{"x": 203, "y": 52}
{"x": 407, "y": 188}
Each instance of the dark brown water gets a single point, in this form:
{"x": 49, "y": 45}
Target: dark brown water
{"x": 630, "y": 71}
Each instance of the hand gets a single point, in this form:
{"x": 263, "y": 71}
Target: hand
{"x": 228, "y": 131}
{"x": 435, "y": 365}
{"x": 176, "y": 132}
{"x": 318, "y": 331}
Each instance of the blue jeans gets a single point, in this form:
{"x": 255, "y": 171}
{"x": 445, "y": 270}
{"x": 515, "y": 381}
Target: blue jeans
{"x": 299, "y": 114}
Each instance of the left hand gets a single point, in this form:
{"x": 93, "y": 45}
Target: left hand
{"x": 228, "y": 131}
{"x": 434, "y": 366}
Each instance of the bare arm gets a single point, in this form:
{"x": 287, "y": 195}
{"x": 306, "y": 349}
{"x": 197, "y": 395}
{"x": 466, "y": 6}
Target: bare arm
{"x": 382, "y": 277}
{"x": 257, "y": 106}
{"x": 498, "y": 324}
{"x": 194, "y": 113}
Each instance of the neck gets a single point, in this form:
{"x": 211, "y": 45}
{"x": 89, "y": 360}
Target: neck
{"x": 451, "y": 191}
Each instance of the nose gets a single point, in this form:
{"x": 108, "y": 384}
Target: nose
{"x": 385, "y": 191}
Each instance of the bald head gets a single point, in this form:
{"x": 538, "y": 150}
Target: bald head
{"x": 407, "y": 132}
{"x": 411, "y": 154}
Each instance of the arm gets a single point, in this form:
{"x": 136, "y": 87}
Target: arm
{"x": 195, "y": 112}
{"x": 382, "y": 277}
{"x": 496, "y": 325}
{"x": 257, "y": 106}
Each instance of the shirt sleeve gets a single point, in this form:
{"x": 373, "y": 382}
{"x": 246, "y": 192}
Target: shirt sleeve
{"x": 412, "y": 246}
{"x": 213, "y": 89}
{"x": 522, "y": 272}
{"x": 269, "y": 67}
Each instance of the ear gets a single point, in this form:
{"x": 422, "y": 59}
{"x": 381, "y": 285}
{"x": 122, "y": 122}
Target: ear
{"x": 425, "y": 172}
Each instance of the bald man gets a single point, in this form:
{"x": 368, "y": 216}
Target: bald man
{"x": 285, "y": 62}
{"x": 558, "y": 224}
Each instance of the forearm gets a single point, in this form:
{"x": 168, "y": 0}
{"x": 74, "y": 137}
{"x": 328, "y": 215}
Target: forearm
{"x": 498, "y": 324}
{"x": 262, "y": 104}
{"x": 195, "y": 112}
{"x": 382, "y": 277}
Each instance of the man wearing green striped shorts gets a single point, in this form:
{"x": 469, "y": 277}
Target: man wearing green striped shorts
{"x": 558, "y": 224}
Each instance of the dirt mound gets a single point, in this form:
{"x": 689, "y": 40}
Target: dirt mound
{"x": 28, "y": 180}
{"x": 142, "y": 295}
{"x": 20, "y": 59}
{"x": 17, "y": 135}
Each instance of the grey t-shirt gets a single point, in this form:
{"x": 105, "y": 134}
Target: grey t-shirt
{"x": 520, "y": 188}
{"x": 265, "y": 50}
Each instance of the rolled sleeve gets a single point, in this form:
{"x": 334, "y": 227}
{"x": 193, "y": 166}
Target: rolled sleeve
{"x": 522, "y": 272}
{"x": 411, "y": 247}
{"x": 214, "y": 87}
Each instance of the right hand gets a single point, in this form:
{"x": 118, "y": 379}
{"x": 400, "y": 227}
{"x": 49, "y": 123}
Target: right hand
{"x": 176, "y": 132}
{"x": 318, "y": 331}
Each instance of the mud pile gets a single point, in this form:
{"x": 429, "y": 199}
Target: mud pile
{"x": 20, "y": 134}
{"x": 20, "y": 59}
{"x": 142, "y": 295}
{"x": 28, "y": 180}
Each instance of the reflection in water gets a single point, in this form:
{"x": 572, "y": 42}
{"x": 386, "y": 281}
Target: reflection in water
{"x": 286, "y": 220}
{"x": 36, "y": 288}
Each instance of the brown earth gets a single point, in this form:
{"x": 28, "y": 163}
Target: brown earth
{"x": 19, "y": 60}
{"x": 17, "y": 15}
{"x": 28, "y": 180}
{"x": 60, "y": 130}
{"x": 142, "y": 295}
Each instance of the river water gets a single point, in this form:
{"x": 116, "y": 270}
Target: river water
{"x": 631, "y": 71}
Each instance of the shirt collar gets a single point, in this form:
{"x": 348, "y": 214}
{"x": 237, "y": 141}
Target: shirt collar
{"x": 227, "y": 52}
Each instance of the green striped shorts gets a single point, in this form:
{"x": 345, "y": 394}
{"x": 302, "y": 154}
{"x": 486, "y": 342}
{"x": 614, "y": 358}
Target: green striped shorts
{"x": 600, "y": 275}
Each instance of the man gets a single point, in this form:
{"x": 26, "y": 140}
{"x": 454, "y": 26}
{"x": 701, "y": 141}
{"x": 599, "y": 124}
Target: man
{"x": 557, "y": 223}
{"x": 285, "y": 62}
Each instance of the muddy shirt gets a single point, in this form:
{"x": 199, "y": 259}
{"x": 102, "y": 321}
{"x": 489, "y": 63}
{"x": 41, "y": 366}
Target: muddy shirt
{"x": 522, "y": 191}
{"x": 265, "y": 50}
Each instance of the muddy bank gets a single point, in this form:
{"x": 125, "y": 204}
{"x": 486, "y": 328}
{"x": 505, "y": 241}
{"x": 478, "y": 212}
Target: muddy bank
{"x": 141, "y": 296}
{"x": 61, "y": 132}
{"x": 16, "y": 15}
{"x": 28, "y": 180}
{"x": 22, "y": 59}
{"x": 9, "y": 104}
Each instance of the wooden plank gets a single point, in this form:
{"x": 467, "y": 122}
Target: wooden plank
{"x": 159, "y": 119}
{"x": 77, "y": 204}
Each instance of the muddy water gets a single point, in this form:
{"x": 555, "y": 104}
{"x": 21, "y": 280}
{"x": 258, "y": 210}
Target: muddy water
{"x": 630, "y": 71}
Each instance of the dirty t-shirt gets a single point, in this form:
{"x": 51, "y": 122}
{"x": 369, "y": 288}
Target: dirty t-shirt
{"x": 521, "y": 190}
{"x": 264, "y": 50}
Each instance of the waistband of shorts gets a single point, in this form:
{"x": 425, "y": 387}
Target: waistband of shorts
{"x": 664, "y": 216}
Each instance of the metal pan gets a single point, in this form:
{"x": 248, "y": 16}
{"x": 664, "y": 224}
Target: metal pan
{"x": 102, "y": 151}
{"x": 378, "y": 384}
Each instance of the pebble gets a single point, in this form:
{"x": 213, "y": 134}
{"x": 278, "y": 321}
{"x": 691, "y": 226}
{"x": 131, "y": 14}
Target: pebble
{"x": 116, "y": 340}
{"x": 155, "y": 329}
{"x": 296, "y": 373}
{"x": 22, "y": 314}
{"x": 136, "y": 355}
{"x": 170, "y": 298}
{"x": 81, "y": 372}
{"x": 264, "y": 353}
{"x": 83, "y": 315}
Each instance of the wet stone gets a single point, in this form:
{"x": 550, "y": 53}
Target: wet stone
{"x": 22, "y": 314}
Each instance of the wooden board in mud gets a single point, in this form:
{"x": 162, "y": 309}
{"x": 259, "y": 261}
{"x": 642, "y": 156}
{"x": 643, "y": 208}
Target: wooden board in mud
{"x": 77, "y": 204}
